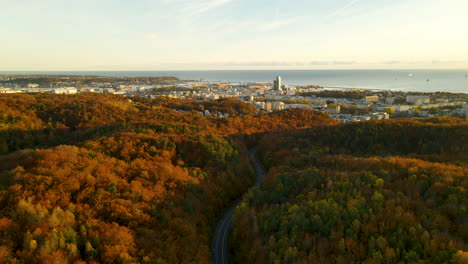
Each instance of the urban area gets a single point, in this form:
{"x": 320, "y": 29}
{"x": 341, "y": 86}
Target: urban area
{"x": 345, "y": 105}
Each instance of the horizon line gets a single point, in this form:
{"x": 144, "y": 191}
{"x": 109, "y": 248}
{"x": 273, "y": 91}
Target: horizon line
{"x": 225, "y": 70}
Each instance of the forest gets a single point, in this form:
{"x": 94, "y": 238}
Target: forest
{"x": 95, "y": 178}
{"x": 371, "y": 192}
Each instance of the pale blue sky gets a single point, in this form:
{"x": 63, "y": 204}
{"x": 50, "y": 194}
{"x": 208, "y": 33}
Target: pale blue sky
{"x": 232, "y": 34}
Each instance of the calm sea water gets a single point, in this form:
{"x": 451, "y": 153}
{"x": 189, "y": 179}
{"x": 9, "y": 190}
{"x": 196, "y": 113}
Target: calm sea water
{"x": 401, "y": 80}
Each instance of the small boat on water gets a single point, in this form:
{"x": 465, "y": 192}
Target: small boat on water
{"x": 410, "y": 75}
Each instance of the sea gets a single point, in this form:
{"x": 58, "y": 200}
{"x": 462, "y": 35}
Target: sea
{"x": 455, "y": 81}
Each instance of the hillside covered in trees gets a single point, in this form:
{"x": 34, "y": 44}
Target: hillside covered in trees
{"x": 95, "y": 178}
{"x": 107, "y": 179}
{"x": 373, "y": 192}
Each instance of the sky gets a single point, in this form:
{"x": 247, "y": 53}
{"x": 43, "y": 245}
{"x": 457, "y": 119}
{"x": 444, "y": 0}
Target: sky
{"x": 94, "y": 35}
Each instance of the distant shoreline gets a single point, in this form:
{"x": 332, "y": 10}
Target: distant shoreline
{"x": 405, "y": 80}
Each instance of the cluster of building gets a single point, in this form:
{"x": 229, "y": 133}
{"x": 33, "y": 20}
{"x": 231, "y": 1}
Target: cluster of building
{"x": 218, "y": 114}
{"x": 276, "y": 96}
{"x": 424, "y": 106}
{"x": 34, "y": 88}
{"x": 357, "y": 118}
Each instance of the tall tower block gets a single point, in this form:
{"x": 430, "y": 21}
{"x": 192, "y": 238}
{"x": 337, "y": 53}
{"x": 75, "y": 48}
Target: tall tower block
{"x": 277, "y": 84}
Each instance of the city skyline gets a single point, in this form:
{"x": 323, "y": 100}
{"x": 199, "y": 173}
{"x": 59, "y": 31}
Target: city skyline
{"x": 53, "y": 35}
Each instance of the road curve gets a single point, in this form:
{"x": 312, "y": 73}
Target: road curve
{"x": 219, "y": 244}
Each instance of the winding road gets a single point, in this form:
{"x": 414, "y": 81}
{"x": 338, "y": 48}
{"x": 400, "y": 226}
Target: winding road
{"x": 219, "y": 244}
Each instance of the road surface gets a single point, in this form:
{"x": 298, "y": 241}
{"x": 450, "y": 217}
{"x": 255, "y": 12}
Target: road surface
{"x": 219, "y": 244}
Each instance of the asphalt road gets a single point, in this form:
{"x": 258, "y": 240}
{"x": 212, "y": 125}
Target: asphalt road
{"x": 219, "y": 244}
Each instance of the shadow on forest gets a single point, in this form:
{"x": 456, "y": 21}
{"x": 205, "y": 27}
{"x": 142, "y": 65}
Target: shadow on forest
{"x": 366, "y": 138}
{"x": 16, "y": 139}
{"x": 428, "y": 142}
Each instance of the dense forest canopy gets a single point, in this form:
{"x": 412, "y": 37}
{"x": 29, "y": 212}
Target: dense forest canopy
{"x": 93, "y": 178}
{"x": 103, "y": 178}
{"x": 373, "y": 192}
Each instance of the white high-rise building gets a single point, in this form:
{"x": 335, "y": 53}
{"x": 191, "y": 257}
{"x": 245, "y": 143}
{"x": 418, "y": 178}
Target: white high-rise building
{"x": 277, "y": 86}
